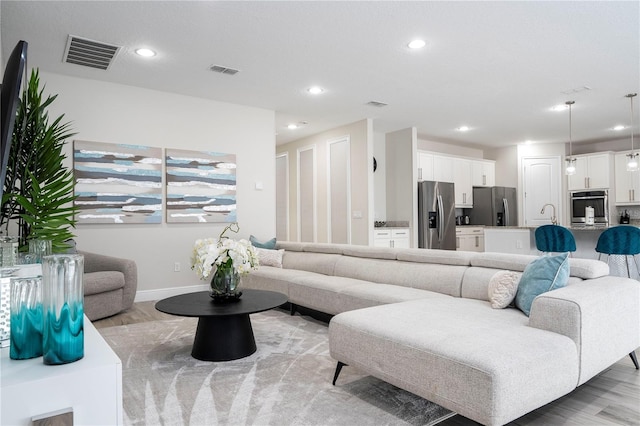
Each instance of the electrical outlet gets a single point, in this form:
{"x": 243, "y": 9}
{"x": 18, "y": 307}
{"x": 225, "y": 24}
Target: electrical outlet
{"x": 176, "y": 267}
{"x": 518, "y": 244}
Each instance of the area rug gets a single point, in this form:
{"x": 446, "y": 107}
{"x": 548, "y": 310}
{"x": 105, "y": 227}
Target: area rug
{"x": 286, "y": 382}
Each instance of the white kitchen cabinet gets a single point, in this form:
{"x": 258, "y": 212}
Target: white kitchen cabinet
{"x": 443, "y": 168}
{"x": 483, "y": 173}
{"x": 469, "y": 238}
{"x": 425, "y": 166}
{"x": 627, "y": 183}
{"x": 391, "y": 237}
{"x": 593, "y": 171}
{"x": 462, "y": 169}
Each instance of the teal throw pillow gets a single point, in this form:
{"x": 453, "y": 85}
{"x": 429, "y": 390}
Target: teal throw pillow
{"x": 269, "y": 245}
{"x": 544, "y": 274}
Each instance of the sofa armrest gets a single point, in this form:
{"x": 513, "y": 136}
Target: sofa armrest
{"x": 94, "y": 262}
{"x": 602, "y": 317}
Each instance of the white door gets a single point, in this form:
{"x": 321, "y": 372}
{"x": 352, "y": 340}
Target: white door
{"x": 542, "y": 184}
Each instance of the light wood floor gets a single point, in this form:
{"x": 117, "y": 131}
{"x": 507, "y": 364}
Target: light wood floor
{"x": 611, "y": 398}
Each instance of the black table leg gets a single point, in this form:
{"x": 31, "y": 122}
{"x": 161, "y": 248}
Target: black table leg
{"x": 223, "y": 338}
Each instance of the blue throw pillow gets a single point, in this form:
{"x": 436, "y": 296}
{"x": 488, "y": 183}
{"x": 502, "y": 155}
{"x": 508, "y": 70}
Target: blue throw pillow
{"x": 269, "y": 245}
{"x": 544, "y": 274}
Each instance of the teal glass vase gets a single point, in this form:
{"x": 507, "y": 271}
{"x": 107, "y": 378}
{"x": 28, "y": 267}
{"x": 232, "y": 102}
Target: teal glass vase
{"x": 63, "y": 308}
{"x": 26, "y": 318}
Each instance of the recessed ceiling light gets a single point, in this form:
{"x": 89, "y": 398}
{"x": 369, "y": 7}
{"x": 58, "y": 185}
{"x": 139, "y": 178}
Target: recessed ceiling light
{"x": 292, "y": 126}
{"x": 463, "y": 129}
{"x": 619, "y": 127}
{"x": 559, "y": 108}
{"x": 416, "y": 44}
{"x": 315, "y": 90}
{"x": 147, "y": 53}
{"x": 528, "y": 142}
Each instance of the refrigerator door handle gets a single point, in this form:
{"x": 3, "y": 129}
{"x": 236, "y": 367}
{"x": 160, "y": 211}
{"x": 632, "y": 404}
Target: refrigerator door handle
{"x": 505, "y": 204}
{"x": 440, "y": 218}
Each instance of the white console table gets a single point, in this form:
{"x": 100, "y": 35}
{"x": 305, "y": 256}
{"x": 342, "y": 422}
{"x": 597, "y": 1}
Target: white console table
{"x": 91, "y": 387}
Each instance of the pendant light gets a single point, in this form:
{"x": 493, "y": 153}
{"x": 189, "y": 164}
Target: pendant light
{"x": 632, "y": 157}
{"x": 571, "y": 162}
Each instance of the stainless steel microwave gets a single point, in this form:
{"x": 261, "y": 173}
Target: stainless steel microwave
{"x": 580, "y": 200}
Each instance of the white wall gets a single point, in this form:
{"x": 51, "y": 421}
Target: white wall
{"x": 402, "y": 178}
{"x": 447, "y": 148}
{"x": 106, "y": 112}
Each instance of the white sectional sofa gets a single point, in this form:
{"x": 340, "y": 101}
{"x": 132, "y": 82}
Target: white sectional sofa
{"x": 421, "y": 320}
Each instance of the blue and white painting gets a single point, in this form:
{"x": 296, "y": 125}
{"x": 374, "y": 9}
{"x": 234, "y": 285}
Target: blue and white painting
{"x": 117, "y": 183}
{"x": 201, "y": 186}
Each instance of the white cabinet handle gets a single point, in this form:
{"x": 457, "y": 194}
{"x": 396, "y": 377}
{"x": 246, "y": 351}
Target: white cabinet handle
{"x": 477, "y": 241}
{"x": 457, "y": 242}
{"x": 420, "y": 173}
{"x": 484, "y": 179}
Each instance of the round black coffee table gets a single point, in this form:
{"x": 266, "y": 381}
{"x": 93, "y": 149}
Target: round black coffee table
{"x": 224, "y": 330}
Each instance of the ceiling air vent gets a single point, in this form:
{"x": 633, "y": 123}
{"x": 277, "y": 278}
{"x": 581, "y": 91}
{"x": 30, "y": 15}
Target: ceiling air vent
{"x": 224, "y": 70}
{"x": 376, "y": 104}
{"x": 89, "y": 53}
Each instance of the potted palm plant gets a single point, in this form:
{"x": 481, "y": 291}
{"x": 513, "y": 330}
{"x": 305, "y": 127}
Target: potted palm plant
{"x": 38, "y": 188}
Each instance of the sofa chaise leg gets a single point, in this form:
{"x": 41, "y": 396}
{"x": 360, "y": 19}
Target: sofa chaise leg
{"x": 337, "y": 373}
{"x": 634, "y": 359}
{"x": 292, "y": 309}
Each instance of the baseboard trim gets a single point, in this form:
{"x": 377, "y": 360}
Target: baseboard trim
{"x": 150, "y": 295}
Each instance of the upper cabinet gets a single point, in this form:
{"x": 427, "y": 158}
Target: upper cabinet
{"x": 425, "y": 166}
{"x": 465, "y": 173}
{"x": 462, "y": 170}
{"x": 593, "y": 171}
{"x": 483, "y": 173}
{"x": 443, "y": 168}
{"x": 627, "y": 183}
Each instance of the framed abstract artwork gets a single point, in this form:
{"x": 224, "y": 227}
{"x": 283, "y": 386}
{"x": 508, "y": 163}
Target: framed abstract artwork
{"x": 117, "y": 183}
{"x": 201, "y": 186}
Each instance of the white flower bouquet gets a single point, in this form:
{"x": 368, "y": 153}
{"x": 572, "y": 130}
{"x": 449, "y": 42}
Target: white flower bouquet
{"x": 224, "y": 255}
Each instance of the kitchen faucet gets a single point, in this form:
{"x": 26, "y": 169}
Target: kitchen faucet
{"x": 554, "y": 220}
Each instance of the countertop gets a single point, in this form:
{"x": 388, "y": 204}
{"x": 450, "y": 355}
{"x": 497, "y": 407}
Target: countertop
{"x": 392, "y": 224}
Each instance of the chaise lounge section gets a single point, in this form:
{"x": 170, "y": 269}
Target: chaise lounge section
{"x": 421, "y": 320}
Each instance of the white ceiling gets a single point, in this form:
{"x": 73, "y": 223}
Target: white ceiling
{"x": 494, "y": 66}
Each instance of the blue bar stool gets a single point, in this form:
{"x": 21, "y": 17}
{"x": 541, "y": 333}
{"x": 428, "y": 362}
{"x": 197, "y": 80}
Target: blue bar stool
{"x": 622, "y": 240}
{"x": 554, "y": 239}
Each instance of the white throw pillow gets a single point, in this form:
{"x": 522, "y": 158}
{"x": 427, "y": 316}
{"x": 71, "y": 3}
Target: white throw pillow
{"x": 268, "y": 257}
{"x": 503, "y": 287}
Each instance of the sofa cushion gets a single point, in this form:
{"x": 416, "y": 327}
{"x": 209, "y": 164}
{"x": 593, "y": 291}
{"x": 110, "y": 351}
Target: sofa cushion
{"x": 445, "y": 279}
{"x": 321, "y": 263}
{"x": 324, "y": 248}
{"x": 271, "y": 278}
{"x": 370, "y": 252}
{"x": 588, "y": 269}
{"x": 444, "y": 257}
{"x": 269, "y": 245}
{"x": 502, "y": 288}
{"x": 544, "y": 274}
{"x": 102, "y": 281}
{"x": 270, "y": 257}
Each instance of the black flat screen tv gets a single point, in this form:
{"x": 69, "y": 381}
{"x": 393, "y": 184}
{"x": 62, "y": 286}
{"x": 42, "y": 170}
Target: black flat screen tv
{"x": 11, "y": 83}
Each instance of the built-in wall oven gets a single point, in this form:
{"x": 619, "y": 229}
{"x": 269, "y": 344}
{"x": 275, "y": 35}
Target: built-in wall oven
{"x": 580, "y": 200}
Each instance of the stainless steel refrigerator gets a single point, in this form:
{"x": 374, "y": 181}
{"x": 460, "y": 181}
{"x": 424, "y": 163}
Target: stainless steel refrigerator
{"x": 494, "y": 206}
{"x": 436, "y": 215}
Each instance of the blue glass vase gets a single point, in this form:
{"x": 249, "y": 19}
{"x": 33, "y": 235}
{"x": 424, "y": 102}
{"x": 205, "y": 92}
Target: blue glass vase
{"x": 63, "y": 309}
